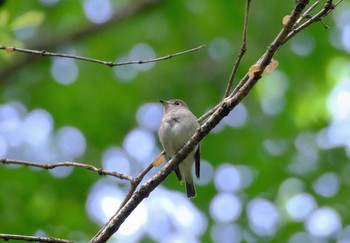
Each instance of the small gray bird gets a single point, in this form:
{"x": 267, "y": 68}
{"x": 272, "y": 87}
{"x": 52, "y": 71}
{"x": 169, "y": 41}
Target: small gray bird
{"x": 177, "y": 127}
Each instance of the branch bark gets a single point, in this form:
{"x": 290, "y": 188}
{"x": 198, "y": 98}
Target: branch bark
{"x": 99, "y": 171}
{"x": 8, "y": 237}
{"x": 45, "y": 53}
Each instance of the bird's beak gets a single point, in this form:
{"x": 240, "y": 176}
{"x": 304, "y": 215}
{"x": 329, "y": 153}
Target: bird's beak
{"x": 164, "y": 103}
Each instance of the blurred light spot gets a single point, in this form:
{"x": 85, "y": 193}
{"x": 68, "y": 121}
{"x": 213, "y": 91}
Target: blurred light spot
{"x": 71, "y": 142}
{"x": 103, "y": 201}
{"x": 64, "y": 71}
{"x": 116, "y": 159}
{"x": 272, "y": 92}
{"x": 323, "y": 223}
{"x": 334, "y": 37}
{"x": 219, "y": 49}
{"x": 327, "y": 185}
{"x": 237, "y": 117}
{"x": 139, "y": 143}
{"x": 230, "y": 233}
{"x": 225, "y": 208}
{"x": 184, "y": 218}
{"x": 290, "y": 187}
{"x": 179, "y": 237}
{"x": 3, "y": 146}
{"x": 124, "y": 73}
{"x": 37, "y": 126}
{"x": 218, "y": 128}
{"x": 305, "y": 142}
{"x": 344, "y": 236}
{"x": 339, "y": 100}
{"x": 188, "y": 217}
{"x": 345, "y": 37}
{"x": 207, "y": 172}
{"x": 161, "y": 223}
{"x": 342, "y": 18}
{"x": 263, "y": 216}
{"x": 300, "y": 206}
{"x": 49, "y": 2}
{"x": 196, "y": 6}
{"x": 276, "y": 147}
{"x": 247, "y": 175}
{"x": 142, "y": 52}
{"x": 337, "y": 134}
{"x": 149, "y": 116}
{"x": 303, "y": 44}
{"x": 307, "y": 158}
{"x": 40, "y": 233}
{"x": 302, "y": 164}
{"x": 135, "y": 222}
{"x": 301, "y": 237}
{"x": 227, "y": 178}
{"x": 98, "y": 11}
{"x": 61, "y": 172}
{"x": 11, "y": 124}
{"x": 25, "y": 33}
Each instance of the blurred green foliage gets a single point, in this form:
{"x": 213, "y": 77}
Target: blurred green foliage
{"x": 104, "y": 108}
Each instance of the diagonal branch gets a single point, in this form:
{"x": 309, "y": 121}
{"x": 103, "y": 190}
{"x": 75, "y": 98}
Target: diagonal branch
{"x": 223, "y": 110}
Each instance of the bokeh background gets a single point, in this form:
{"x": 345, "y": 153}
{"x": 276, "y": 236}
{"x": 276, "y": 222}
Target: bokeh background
{"x": 275, "y": 170}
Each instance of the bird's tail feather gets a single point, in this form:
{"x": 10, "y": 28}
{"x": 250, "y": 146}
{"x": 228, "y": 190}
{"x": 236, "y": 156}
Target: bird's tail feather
{"x": 190, "y": 190}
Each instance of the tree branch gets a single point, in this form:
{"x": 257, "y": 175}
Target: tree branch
{"x": 328, "y": 7}
{"x": 244, "y": 87}
{"x": 11, "y": 49}
{"x": 99, "y": 171}
{"x": 8, "y": 237}
{"x": 242, "y": 51}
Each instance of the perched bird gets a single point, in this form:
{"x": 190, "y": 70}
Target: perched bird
{"x": 177, "y": 127}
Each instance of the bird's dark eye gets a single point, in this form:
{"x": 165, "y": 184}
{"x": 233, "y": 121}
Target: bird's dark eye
{"x": 176, "y": 103}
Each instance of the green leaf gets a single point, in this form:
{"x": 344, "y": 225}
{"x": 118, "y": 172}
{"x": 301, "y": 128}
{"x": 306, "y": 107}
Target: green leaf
{"x": 31, "y": 18}
{"x": 4, "y": 17}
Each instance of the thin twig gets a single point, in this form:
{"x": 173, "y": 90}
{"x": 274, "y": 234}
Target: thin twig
{"x": 242, "y": 51}
{"x": 99, "y": 171}
{"x": 236, "y": 64}
{"x": 7, "y": 237}
{"x": 328, "y": 7}
{"x": 306, "y": 14}
{"x": 87, "y": 59}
